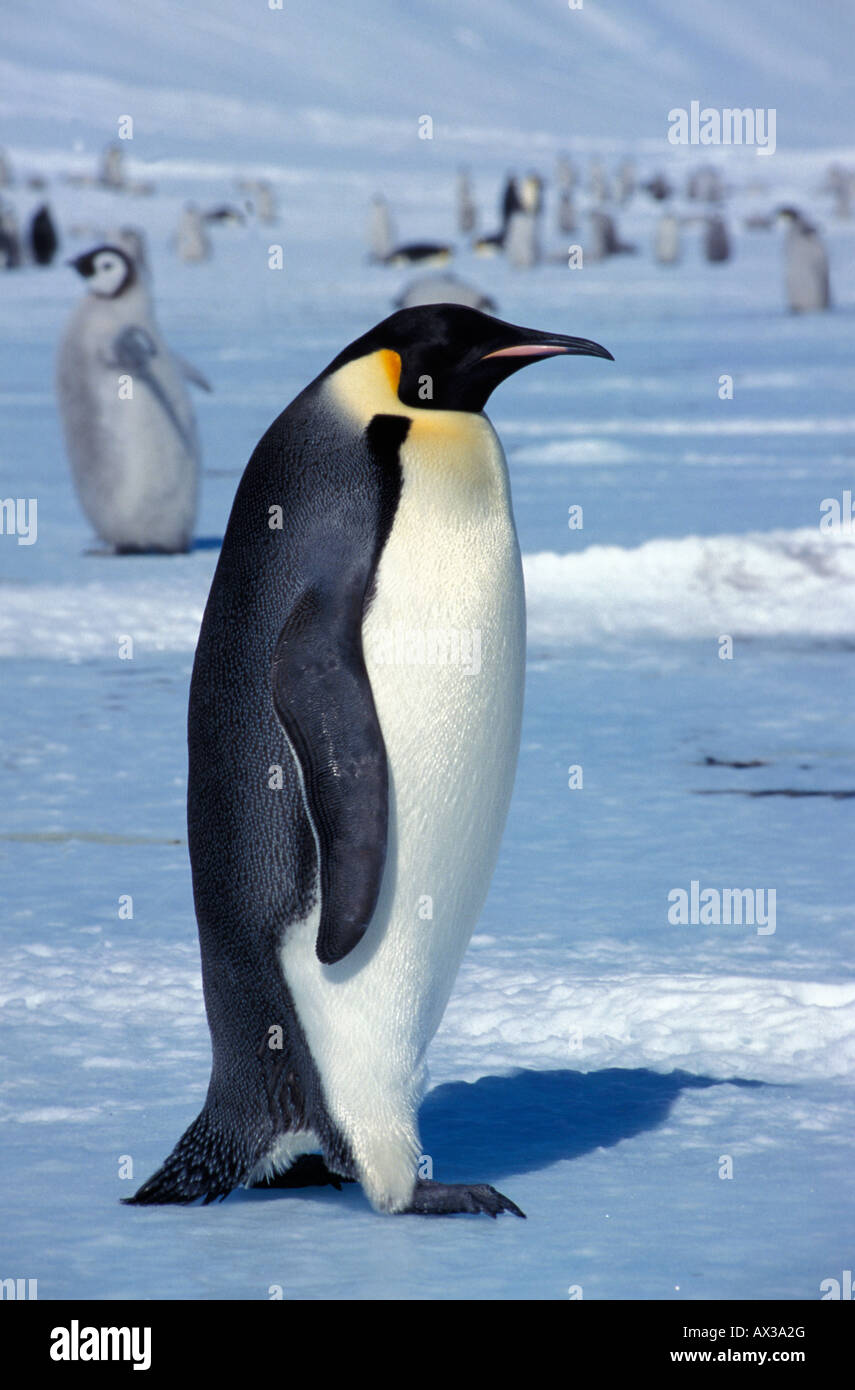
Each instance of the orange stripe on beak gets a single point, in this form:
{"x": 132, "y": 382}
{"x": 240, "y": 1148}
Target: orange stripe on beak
{"x": 525, "y": 350}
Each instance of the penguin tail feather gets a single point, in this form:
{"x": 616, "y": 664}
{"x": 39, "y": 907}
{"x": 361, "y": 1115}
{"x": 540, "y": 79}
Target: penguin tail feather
{"x": 202, "y": 1164}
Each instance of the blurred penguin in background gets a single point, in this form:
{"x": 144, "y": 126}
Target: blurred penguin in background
{"x": 658, "y": 188}
{"x": 265, "y": 202}
{"x": 467, "y": 212}
{"x": 381, "y": 237}
{"x": 5, "y": 170}
{"x": 565, "y": 173}
{"x": 839, "y": 183}
{"x": 112, "y": 170}
{"x": 522, "y": 239}
{"x": 566, "y": 212}
{"x": 134, "y": 242}
{"x": 192, "y": 241}
{"x": 716, "y": 238}
{"x": 806, "y": 275}
{"x": 598, "y": 183}
{"x": 129, "y": 427}
{"x": 704, "y": 185}
{"x": 384, "y": 250}
{"x": 44, "y": 241}
{"x": 626, "y": 182}
{"x": 509, "y": 204}
{"x": 667, "y": 248}
{"x": 444, "y": 289}
{"x": 565, "y": 181}
{"x": 604, "y": 240}
{"x": 10, "y": 237}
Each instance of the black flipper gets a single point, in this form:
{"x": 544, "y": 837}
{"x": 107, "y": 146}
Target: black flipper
{"x": 447, "y": 1199}
{"x": 322, "y": 695}
{"x": 133, "y": 350}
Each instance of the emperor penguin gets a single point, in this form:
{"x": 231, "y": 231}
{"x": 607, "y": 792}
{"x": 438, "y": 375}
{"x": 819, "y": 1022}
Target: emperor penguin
{"x": 11, "y": 253}
{"x": 354, "y": 725}
{"x": 265, "y": 202}
{"x": 716, "y": 238}
{"x": 467, "y": 212}
{"x": 605, "y": 240}
{"x": 44, "y": 241}
{"x": 111, "y": 173}
{"x": 129, "y": 427}
{"x": 381, "y": 237}
{"x": 666, "y": 239}
{"x": 566, "y": 212}
{"x": 521, "y": 240}
{"x": 510, "y": 203}
{"x": 443, "y": 288}
{"x": 191, "y": 240}
{"x": 626, "y": 181}
{"x": 806, "y": 264}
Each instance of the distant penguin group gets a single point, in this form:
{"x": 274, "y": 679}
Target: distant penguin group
{"x": 129, "y": 426}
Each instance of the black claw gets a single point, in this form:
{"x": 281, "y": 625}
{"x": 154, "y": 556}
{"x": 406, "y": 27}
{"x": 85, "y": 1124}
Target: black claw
{"x": 447, "y": 1199}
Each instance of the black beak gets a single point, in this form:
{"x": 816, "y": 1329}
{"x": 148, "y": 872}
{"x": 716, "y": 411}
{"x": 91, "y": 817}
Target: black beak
{"x": 510, "y": 349}
{"x": 550, "y": 345}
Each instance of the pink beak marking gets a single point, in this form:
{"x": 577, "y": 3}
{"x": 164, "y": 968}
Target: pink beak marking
{"x": 525, "y": 350}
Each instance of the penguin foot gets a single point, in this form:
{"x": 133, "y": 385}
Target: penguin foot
{"x": 444, "y": 1199}
{"x": 309, "y": 1170}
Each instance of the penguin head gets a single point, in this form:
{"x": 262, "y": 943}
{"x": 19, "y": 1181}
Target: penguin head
{"x": 109, "y": 270}
{"x": 792, "y": 218}
{"x": 453, "y": 357}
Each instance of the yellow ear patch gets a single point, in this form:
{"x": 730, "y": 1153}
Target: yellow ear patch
{"x": 391, "y": 364}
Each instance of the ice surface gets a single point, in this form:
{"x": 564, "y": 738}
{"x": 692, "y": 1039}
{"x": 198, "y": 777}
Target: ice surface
{"x": 596, "y": 1061}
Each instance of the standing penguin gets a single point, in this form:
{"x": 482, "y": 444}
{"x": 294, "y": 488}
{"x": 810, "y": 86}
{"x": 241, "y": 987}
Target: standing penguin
{"x": 666, "y": 240}
{"x": 467, "y": 212}
{"x": 566, "y": 212}
{"x": 381, "y": 237}
{"x": 716, "y": 239}
{"x": 192, "y": 241}
{"x": 522, "y": 240}
{"x": 10, "y": 237}
{"x": 265, "y": 202}
{"x": 338, "y": 775}
{"x": 44, "y": 242}
{"x": 806, "y": 264}
{"x": 111, "y": 173}
{"x": 626, "y": 181}
{"x": 129, "y": 427}
{"x": 605, "y": 240}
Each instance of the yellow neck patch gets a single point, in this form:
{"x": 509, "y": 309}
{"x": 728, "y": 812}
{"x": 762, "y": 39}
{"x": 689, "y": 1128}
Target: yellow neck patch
{"x": 457, "y": 442}
{"x": 391, "y": 365}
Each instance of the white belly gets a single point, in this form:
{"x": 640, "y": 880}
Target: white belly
{"x": 445, "y": 651}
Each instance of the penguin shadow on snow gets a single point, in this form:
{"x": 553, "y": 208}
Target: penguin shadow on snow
{"x": 504, "y": 1126}
{"x": 508, "y": 1125}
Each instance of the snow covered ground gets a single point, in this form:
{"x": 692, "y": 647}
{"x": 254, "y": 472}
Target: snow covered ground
{"x": 597, "y": 1062}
